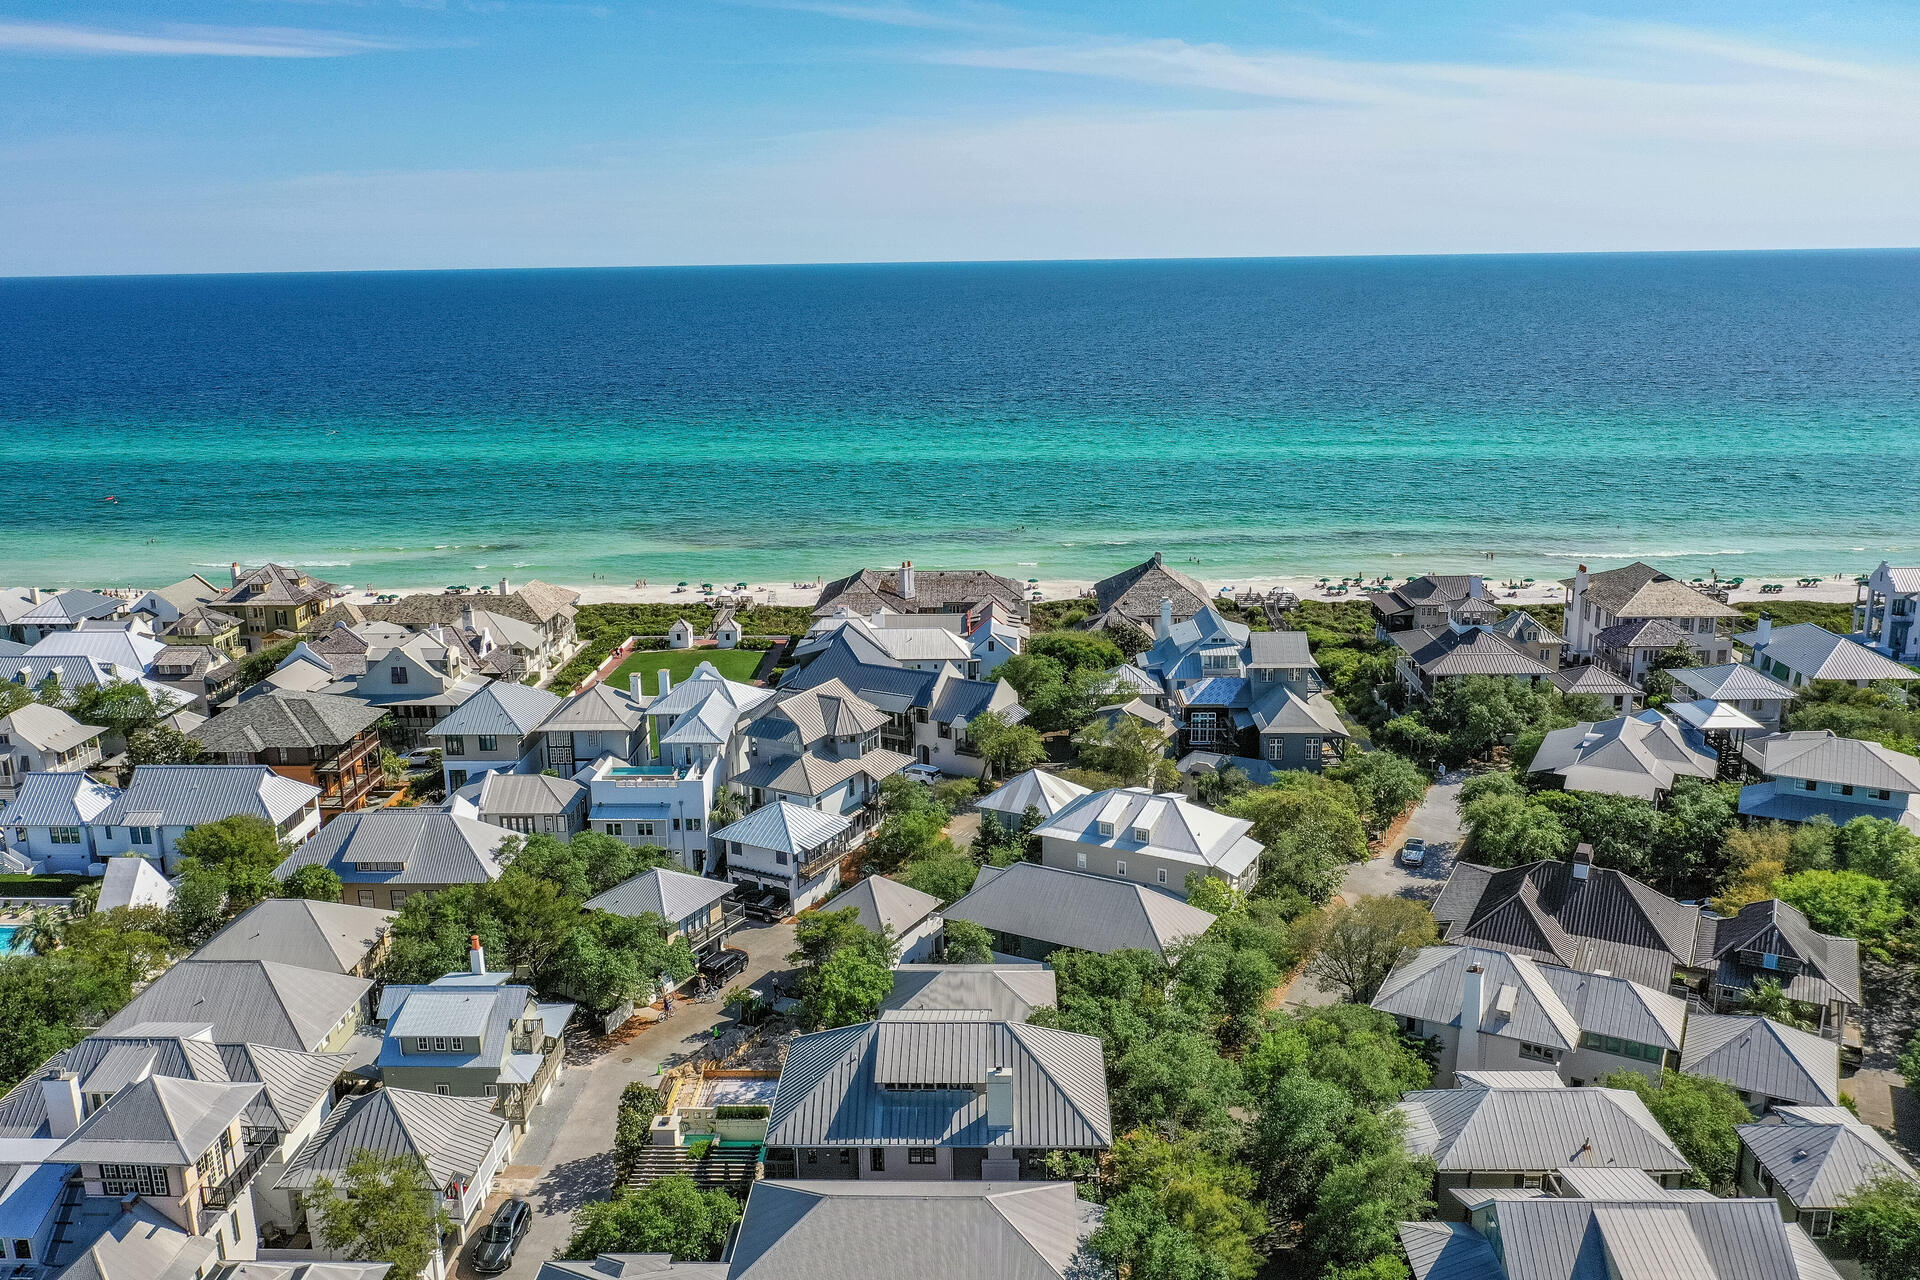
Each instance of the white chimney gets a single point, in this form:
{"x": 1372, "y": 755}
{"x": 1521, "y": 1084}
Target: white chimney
{"x": 1476, "y": 587}
{"x": 1000, "y": 1098}
{"x": 235, "y": 570}
{"x": 666, "y": 682}
{"x": 906, "y": 579}
{"x": 634, "y": 683}
{"x": 1165, "y": 627}
{"x": 1580, "y": 580}
{"x": 1762, "y": 631}
{"x": 62, "y": 1094}
{"x": 1582, "y": 861}
{"x": 34, "y": 594}
{"x": 466, "y": 617}
{"x": 1473, "y": 1007}
{"x": 504, "y": 586}
{"x": 476, "y": 955}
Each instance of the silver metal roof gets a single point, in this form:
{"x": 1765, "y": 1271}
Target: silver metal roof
{"x": 674, "y": 895}
{"x": 301, "y": 932}
{"x": 1073, "y": 909}
{"x": 1047, "y": 792}
{"x": 1824, "y": 756}
{"x": 433, "y": 848}
{"x": 188, "y": 795}
{"x": 1819, "y": 1156}
{"x": 1537, "y": 1128}
{"x": 47, "y": 728}
{"x": 1812, "y": 651}
{"x": 504, "y": 708}
{"x": 453, "y": 1136}
{"x": 786, "y": 826}
{"x": 1732, "y": 681}
{"x": 65, "y": 799}
{"x": 248, "y": 1002}
{"x": 158, "y": 1120}
{"x": 885, "y": 903}
{"x": 1008, "y": 991}
{"x": 1761, "y": 1056}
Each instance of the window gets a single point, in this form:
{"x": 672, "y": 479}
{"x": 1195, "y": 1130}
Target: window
{"x": 517, "y": 824}
{"x": 397, "y": 675}
{"x": 1119, "y": 866}
{"x": 920, "y": 1155}
{"x": 489, "y": 742}
{"x": 397, "y": 897}
{"x": 365, "y": 897}
{"x": 1880, "y": 793}
{"x": 1819, "y": 1222}
{"x": 1530, "y": 1181}
{"x": 613, "y": 829}
{"x": 140, "y": 835}
{"x": 439, "y": 1044}
{"x": 1809, "y": 785}
{"x": 644, "y": 830}
{"x": 491, "y": 1090}
{"x": 693, "y": 824}
{"x": 422, "y": 1044}
{"x": 1267, "y": 675}
{"x": 443, "y": 1089}
{"x": 1536, "y": 1052}
{"x": 456, "y": 745}
{"x": 64, "y": 835}
{"x": 1846, "y": 788}
{"x": 780, "y": 857}
{"x": 1218, "y": 661}
{"x": 133, "y": 1179}
{"x": 23, "y": 1248}
{"x": 1312, "y": 747}
{"x": 1276, "y": 748}
{"x": 946, "y": 730}
{"x": 879, "y": 1160}
{"x": 1141, "y": 834}
{"x": 1163, "y": 875}
{"x": 1080, "y": 861}
{"x": 1104, "y": 828}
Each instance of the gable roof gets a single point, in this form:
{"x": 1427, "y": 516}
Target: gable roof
{"x": 868, "y": 590}
{"x": 247, "y": 1002}
{"x": 785, "y": 826}
{"x": 71, "y": 606}
{"x": 1634, "y": 755}
{"x": 1594, "y": 679}
{"x": 599, "y": 707}
{"x": 133, "y": 882}
{"x": 1524, "y": 627}
{"x": 1176, "y": 829}
{"x": 497, "y": 792}
{"x": 330, "y": 936}
{"x": 503, "y": 707}
{"x": 142, "y": 1245}
{"x": 1732, "y": 681}
{"x": 1639, "y": 590}
{"x": 1074, "y": 909}
{"x": 1010, "y": 992}
{"x": 1759, "y": 1055}
{"x": 1442, "y": 652}
{"x": 287, "y": 719}
{"x": 158, "y": 1120}
{"x": 118, "y": 645}
{"x": 885, "y": 903}
{"x": 1518, "y": 1002}
{"x": 1814, "y": 652}
{"x": 430, "y": 848}
{"x": 834, "y": 1088}
{"x": 1819, "y": 1156}
{"x": 673, "y": 895}
{"x": 877, "y": 1230}
{"x": 188, "y": 795}
{"x": 1537, "y": 1126}
{"x": 1135, "y": 593}
{"x": 452, "y": 1136}
{"x": 1047, "y": 792}
{"x": 1278, "y": 709}
{"x": 1824, "y": 756}
{"x": 67, "y": 798}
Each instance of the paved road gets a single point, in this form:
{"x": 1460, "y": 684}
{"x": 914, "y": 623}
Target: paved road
{"x": 1436, "y": 819}
{"x": 566, "y": 1158}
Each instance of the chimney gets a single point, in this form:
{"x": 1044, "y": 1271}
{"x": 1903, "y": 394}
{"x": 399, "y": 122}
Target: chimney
{"x": 1000, "y": 1098}
{"x": 235, "y": 570}
{"x": 906, "y": 579}
{"x": 1476, "y": 587}
{"x": 1582, "y": 861}
{"x": 1580, "y": 580}
{"x": 466, "y": 617}
{"x": 1473, "y": 1007}
{"x": 476, "y": 955}
{"x": 1762, "y": 631}
{"x": 505, "y": 586}
{"x": 666, "y": 682}
{"x": 634, "y": 683}
{"x": 62, "y": 1093}
{"x": 34, "y": 594}
{"x": 1165, "y": 627}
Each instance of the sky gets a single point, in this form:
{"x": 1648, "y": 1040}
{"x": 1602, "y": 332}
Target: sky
{"x": 270, "y": 135}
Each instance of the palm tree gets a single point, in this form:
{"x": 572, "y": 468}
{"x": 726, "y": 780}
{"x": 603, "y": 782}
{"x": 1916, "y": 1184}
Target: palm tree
{"x": 42, "y": 932}
{"x": 393, "y": 767}
{"x": 1768, "y": 999}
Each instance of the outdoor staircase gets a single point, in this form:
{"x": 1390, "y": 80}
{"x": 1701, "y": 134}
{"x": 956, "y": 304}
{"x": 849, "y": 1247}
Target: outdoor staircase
{"x": 734, "y": 1168}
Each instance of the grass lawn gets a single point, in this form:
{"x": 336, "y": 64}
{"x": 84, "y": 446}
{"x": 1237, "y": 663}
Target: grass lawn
{"x": 734, "y": 664}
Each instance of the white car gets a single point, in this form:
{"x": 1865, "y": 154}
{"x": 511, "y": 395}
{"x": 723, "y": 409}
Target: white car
{"x": 421, "y": 757}
{"x": 922, "y": 773}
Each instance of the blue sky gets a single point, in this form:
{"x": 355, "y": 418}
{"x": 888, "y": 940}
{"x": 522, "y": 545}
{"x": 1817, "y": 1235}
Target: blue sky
{"x": 241, "y": 135}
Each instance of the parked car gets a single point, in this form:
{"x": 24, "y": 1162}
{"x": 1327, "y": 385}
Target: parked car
{"x": 423, "y": 757}
{"x": 763, "y": 904}
{"x": 722, "y": 965}
{"x": 1413, "y": 852}
{"x": 922, "y": 773}
{"x": 493, "y": 1253}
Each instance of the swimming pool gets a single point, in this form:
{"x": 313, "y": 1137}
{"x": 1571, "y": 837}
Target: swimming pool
{"x": 10, "y": 939}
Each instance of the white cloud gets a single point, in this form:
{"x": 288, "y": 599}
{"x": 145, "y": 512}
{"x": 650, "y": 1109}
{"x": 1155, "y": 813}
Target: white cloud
{"x": 184, "y": 41}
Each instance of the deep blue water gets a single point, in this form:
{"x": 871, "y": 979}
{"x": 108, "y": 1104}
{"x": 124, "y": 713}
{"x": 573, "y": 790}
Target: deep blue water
{"x": 1756, "y": 413}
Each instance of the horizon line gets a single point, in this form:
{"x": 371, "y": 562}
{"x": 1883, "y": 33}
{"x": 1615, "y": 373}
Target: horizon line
{"x": 974, "y": 262}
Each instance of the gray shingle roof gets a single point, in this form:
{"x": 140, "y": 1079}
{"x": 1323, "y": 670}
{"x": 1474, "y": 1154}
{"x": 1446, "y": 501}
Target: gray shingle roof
{"x": 187, "y": 795}
{"x": 1136, "y": 593}
{"x": 1007, "y": 991}
{"x": 1819, "y": 1156}
{"x": 158, "y": 1120}
{"x": 1761, "y": 1056}
{"x": 431, "y": 848}
{"x": 885, "y": 903}
{"x": 275, "y": 584}
{"x": 674, "y": 895}
{"x": 1593, "y": 679}
{"x": 247, "y": 1002}
{"x": 1537, "y": 1128}
{"x": 879, "y": 1230}
{"x": 1818, "y": 654}
{"x": 504, "y": 708}
{"x": 288, "y": 719}
{"x": 1441, "y": 653}
{"x": 785, "y": 826}
{"x": 451, "y": 1135}
{"x": 1073, "y": 909}
{"x": 330, "y": 936}
{"x": 833, "y": 1087}
{"x": 1639, "y": 590}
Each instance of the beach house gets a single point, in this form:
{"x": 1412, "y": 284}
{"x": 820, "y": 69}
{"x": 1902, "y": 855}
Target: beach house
{"x": 911, "y": 918}
{"x": 165, "y": 801}
{"x": 1804, "y": 652}
{"x": 695, "y": 908}
{"x": 502, "y": 613}
{"x": 601, "y": 719}
{"x": 323, "y": 739}
{"x": 174, "y": 601}
{"x": 1885, "y": 608}
{"x": 1033, "y": 911}
{"x": 1132, "y": 597}
{"x": 1815, "y": 773}
{"x": 51, "y": 822}
{"x": 909, "y": 590}
{"x": 37, "y": 738}
{"x": 273, "y": 600}
{"x": 498, "y": 728}
{"x": 1745, "y": 689}
{"x": 1637, "y": 593}
{"x": 1640, "y": 755}
{"x": 385, "y": 856}
{"x": 1812, "y": 1159}
{"x": 820, "y": 747}
{"x": 1426, "y": 658}
{"x": 252, "y": 1002}
{"x": 524, "y": 802}
{"x": 416, "y": 679}
{"x": 791, "y": 848}
{"x": 1129, "y": 833}
{"x": 46, "y": 613}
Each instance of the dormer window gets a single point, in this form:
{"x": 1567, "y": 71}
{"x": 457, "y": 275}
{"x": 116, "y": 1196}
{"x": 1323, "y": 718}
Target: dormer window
{"x": 1141, "y": 834}
{"x": 1104, "y": 828}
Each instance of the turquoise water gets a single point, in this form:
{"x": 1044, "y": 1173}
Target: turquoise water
{"x": 9, "y": 939}
{"x": 1749, "y": 413}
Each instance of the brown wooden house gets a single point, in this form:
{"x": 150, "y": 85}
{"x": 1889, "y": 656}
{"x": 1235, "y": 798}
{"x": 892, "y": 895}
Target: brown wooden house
{"x": 319, "y": 738}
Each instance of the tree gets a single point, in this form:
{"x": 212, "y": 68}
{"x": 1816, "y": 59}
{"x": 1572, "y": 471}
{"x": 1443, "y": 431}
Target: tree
{"x": 1811, "y": 847}
{"x": 590, "y": 862}
{"x": 1176, "y": 1080}
{"x": 1124, "y": 746}
{"x": 1882, "y": 849}
{"x": 1756, "y": 856}
{"x": 1910, "y": 1062}
{"x": 534, "y": 916}
{"x": 1078, "y": 650}
{"x": 1505, "y": 827}
{"x": 242, "y": 840}
{"x": 1769, "y": 999}
{"x": 967, "y": 943}
{"x": 1621, "y": 829}
{"x": 670, "y": 1215}
{"x": 1700, "y": 1116}
{"x": 845, "y": 971}
{"x": 611, "y": 958}
{"x": 384, "y": 1208}
{"x": 633, "y": 1122}
{"x": 199, "y": 902}
{"x": 1693, "y": 823}
{"x": 161, "y": 743}
{"x": 1165, "y": 1186}
{"x": 313, "y": 881}
{"x": 1055, "y": 695}
{"x": 1477, "y": 713}
{"x": 1359, "y": 1205}
{"x": 1213, "y": 789}
{"x": 1385, "y": 783}
{"x": 1132, "y": 641}
{"x": 1213, "y": 895}
{"x": 1880, "y": 1226}
{"x": 41, "y": 933}
{"x": 913, "y": 824}
{"x": 1006, "y": 748}
{"x": 1310, "y": 828}
{"x": 943, "y": 871}
{"x": 1355, "y": 946}
{"x": 1851, "y": 904}
{"x": 122, "y": 707}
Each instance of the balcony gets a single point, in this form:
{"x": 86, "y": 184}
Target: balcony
{"x": 234, "y": 1185}
{"x": 731, "y": 918}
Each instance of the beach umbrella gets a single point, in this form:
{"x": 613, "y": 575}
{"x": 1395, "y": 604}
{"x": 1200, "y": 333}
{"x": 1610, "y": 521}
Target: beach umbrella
{"x": 684, "y": 584}
{"x": 706, "y": 586}
{"x": 1033, "y": 579}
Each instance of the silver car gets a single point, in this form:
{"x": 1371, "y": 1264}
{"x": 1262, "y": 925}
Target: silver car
{"x": 1413, "y": 853}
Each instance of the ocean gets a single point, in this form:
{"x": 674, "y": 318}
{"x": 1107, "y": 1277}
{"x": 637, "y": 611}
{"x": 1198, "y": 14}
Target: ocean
{"x": 1750, "y": 413}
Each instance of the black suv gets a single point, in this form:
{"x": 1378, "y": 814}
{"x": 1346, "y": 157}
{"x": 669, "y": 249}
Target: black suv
{"x": 493, "y": 1253}
{"x": 763, "y": 904}
{"x": 722, "y": 965}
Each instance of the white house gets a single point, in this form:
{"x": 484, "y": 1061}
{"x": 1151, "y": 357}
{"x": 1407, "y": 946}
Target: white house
{"x": 787, "y": 847}
{"x": 127, "y": 645}
{"x": 1130, "y": 833}
{"x": 41, "y": 739}
{"x": 1884, "y": 611}
{"x": 662, "y": 805}
{"x": 165, "y": 801}
{"x": 820, "y": 748}
{"x": 51, "y": 821}
{"x": 1745, "y": 689}
{"x": 1804, "y": 652}
{"x": 498, "y": 728}
{"x": 1046, "y": 793}
{"x": 1638, "y": 593}
{"x": 726, "y": 628}
{"x": 680, "y": 634}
